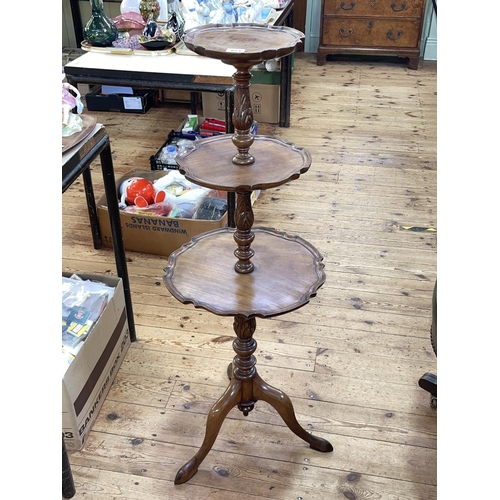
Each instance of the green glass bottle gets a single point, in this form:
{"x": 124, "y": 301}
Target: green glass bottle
{"x": 100, "y": 30}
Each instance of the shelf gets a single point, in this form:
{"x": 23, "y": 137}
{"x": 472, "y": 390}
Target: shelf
{"x": 276, "y": 162}
{"x": 244, "y": 42}
{"x": 287, "y": 272}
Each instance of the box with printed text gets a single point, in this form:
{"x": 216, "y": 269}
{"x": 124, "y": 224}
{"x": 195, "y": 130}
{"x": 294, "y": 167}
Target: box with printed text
{"x": 87, "y": 380}
{"x": 150, "y": 233}
{"x": 264, "y": 99}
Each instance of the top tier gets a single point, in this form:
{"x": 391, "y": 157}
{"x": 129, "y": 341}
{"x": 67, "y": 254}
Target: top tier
{"x": 243, "y": 46}
{"x": 243, "y": 43}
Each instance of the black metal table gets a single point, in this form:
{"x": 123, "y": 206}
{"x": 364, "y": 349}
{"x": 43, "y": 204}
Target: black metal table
{"x": 68, "y": 483}
{"x": 162, "y": 78}
{"x": 77, "y": 162}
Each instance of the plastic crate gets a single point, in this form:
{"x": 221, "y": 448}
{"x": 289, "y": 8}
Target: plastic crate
{"x": 139, "y": 102}
{"x": 173, "y": 137}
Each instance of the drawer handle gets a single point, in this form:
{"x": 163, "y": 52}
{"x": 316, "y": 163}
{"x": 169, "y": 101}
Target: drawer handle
{"x": 343, "y": 7}
{"x": 349, "y": 33}
{"x": 393, "y": 7}
{"x": 389, "y": 34}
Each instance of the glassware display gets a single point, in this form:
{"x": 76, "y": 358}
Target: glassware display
{"x": 130, "y": 6}
{"x": 149, "y": 9}
{"x": 100, "y": 30}
{"x": 175, "y": 19}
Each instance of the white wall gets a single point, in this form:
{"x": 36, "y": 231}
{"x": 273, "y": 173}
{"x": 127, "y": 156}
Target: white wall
{"x": 313, "y": 15}
{"x": 429, "y": 34}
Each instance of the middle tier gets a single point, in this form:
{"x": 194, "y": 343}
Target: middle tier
{"x": 288, "y": 271}
{"x": 209, "y": 163}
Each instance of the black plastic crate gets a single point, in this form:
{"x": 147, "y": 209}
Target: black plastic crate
{"x": 139, "y": 102}
{"x": 173, "y": 137}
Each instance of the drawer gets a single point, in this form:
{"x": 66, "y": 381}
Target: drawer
{"x": 386, "y": 8}
{"x": 370, "y": 32}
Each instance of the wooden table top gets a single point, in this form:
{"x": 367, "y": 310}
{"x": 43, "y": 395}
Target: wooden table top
{"x": 288, "y": 272}
{"x": 243, "y": 42}
{"x": 209, "y": 163}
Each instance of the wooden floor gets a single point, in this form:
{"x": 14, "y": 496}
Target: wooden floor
{"x": 350, "y": 360}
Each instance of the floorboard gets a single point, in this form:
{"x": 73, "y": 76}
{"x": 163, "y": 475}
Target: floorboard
{"x": 350, "y": 360}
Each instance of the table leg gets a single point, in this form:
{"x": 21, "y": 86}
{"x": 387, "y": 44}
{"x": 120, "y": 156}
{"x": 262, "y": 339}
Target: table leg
{"x": 68, "y": 485}
{"x": 286, "y": 81}
{"x": 283, "y": 405}
{"x": 94, "y": 221}
{"x": 193, "y": 98}
{"x": 245, "y": 389}
{"x": 285, "y": 90}
{"x": 216, "y": 416}
{"x": 116, "y": 230}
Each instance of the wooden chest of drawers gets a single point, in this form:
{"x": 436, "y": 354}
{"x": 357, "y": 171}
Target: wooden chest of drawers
{"x": 371, "y": 27}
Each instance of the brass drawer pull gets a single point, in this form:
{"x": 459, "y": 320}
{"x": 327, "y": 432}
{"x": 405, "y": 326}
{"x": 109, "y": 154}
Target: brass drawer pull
{"x": 343, "y": 7}
{"x": 349, "y": 33}
{"x": 389, "y": 34}
{"x": 393, "y": 7}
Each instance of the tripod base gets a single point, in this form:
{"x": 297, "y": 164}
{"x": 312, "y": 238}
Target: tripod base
{"x": 258, "y": 389}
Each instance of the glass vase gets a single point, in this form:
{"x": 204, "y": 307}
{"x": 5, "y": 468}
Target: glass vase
{"x": 175, "y": 20}
{"x": 100, "y": 30}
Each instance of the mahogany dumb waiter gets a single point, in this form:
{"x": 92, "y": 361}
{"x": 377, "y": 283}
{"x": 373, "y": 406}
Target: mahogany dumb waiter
{"x": 247, "y": 271}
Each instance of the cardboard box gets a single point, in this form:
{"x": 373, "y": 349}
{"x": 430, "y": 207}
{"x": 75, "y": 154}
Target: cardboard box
{"x": 264, "y": 77}
{"x": 150, "y": 233}
{"x": 88, "y": 378}
{"x": 265, "y": 101}
{"x": 174, "y": 95}
{"x": 139, "y": 102}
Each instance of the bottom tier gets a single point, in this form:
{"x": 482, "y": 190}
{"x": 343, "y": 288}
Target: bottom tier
{"x": 287, "y": 272}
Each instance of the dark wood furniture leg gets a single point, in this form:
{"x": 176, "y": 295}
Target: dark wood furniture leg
{"x": 283, "y": 405}
{"x": 245, "y": 389}
{"x": 413, "y": 61}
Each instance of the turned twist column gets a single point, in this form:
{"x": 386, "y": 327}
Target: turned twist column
{"x": 242, "y": 115}
{"x": 243, "y": 139}
{"x": 244, "y": 362}
{"x": 244, "y": 235}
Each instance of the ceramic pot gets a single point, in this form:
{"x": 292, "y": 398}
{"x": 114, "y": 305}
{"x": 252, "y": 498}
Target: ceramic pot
{"x": 150, "y": 10}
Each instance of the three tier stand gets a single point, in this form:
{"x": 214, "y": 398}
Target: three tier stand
{"x": 244, "y": 272}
